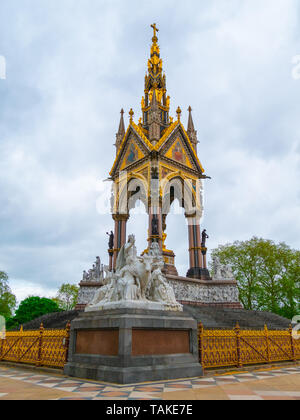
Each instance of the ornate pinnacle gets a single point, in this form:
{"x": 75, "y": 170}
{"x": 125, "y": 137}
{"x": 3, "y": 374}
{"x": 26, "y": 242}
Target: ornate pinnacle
{"x": 121, "y": 131}
{"x": 131, "y": 114}
{"x": 178, "y": 113}
{"x": 190, "y": 122}
{"x": 191, "y": 130}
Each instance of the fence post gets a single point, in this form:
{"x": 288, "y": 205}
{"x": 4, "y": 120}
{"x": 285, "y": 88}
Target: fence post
{"x": 18, "y": 350}
{"x": 267, "y": 342}
{"x": 39, "y": 361}
{"x": 292, "y": 343}
{"x": 238, "y": 345}
{"x": 67, "y": 342}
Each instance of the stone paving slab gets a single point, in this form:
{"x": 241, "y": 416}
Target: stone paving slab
{"x": 269, "y": 384}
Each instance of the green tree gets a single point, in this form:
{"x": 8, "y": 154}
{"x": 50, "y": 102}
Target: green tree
{"x": 290, "y": 283}
{"x": 67, "y": 297}
{"x": 268, "y": 274}
{"x": 34, "y": 307}
{"x": 7, "y": 299}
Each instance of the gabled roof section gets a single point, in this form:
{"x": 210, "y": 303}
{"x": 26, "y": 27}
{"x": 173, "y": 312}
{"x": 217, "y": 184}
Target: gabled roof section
{"x": 144, "y": 144}
{"x": 177, "y": 126}
{"x": 178, "y": 153}
{"x": 139, "y": 131}
{"x": 192, "y": 148}
{"x": 133, "y": 154}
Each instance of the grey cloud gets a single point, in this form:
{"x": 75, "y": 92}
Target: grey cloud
{"x": 73, "y": 65}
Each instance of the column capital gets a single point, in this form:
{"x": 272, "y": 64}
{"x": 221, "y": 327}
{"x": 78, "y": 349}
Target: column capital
{"x": 192, "y": 215}
{"x": 193, "y": 218}
{"x": 120, "y": 217}
{"x": 204, "y": 251}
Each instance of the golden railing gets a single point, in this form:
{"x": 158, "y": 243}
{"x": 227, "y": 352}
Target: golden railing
{"x": 42, "y": 347}
{"x": 217, "y": 348}
{"x": 222, "y": 348}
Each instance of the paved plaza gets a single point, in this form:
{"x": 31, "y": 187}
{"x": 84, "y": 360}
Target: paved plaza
{"x": 277, "y": 383}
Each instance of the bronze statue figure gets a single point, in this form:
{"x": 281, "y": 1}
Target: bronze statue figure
{"x": 204, "y": 237}
{"x": 111, "y": 239}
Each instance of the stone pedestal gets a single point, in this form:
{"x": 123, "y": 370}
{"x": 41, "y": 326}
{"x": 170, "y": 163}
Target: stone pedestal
{"x": 132, "y": 346}
{"x": 169, "y": 258}
{"x": 199, "y": 273}
{"x": 86, "y": 293}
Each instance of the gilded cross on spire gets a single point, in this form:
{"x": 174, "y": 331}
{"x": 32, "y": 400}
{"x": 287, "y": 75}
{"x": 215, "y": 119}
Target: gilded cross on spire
{"x": 155, "y": 29}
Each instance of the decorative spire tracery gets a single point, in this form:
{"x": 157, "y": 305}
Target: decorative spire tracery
{"x": 155, "y": 92}
{"x": 155, "y": 104}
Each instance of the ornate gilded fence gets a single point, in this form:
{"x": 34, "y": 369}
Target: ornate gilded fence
{"x": 222, "y": 348}
{"x": 41, "y": 347}
{"x": 217, "y": 348}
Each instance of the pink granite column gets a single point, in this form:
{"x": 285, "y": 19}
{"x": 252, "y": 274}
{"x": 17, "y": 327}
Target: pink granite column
{"x": 120, "y": 234}
{"x": 196, "y": 262}
{"x": 198, "y": 246}
{"x": 204, "y": 260}
{"x": 111, "y": 257}
{"x": 191, "y": 246}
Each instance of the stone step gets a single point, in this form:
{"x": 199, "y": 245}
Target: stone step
{"x": 214, "y": 317}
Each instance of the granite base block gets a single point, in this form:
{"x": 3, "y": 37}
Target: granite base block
{"x": 133, "y": 347}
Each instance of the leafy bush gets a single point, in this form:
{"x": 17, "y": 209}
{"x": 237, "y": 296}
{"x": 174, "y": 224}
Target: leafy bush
{"x": 34, "y": 307}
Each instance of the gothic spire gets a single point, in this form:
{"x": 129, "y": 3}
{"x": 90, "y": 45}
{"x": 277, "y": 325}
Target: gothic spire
{"x": 122, "y": 125}
{"x": 121, "y": 132}
{"x": 192, "y": 133}
{"x": 155, "y": 79}
{"x": 154, "y": 119}
{"x": 155, "y": 103}
{"x": 191, "y": 122}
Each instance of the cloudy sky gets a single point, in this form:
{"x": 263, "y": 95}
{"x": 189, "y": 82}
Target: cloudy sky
{"x": 70, "y": 67}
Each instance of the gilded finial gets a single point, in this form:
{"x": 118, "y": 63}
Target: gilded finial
{"x": 168, "y": 99}
{"x": 131, "y": 114}
{"x": 178, "y": 113}
{"x": 155, "y": 29}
